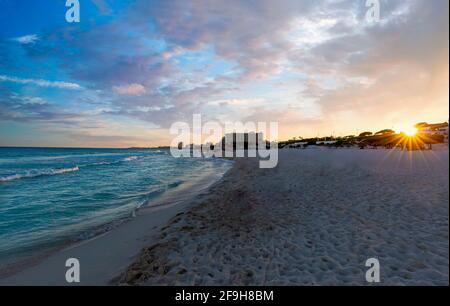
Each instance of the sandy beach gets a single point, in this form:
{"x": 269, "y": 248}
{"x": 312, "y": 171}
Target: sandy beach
{"x": 313, "y": 220}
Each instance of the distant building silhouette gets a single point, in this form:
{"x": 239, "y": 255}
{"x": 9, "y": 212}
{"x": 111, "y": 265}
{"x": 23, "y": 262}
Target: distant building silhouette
{"x": 435, "y": 128}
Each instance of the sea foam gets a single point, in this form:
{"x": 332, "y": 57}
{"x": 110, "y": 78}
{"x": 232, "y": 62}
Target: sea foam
{"x": 35, "y": 173}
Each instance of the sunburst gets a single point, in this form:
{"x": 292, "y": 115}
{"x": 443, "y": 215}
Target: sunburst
{"x": 410, "y": 131}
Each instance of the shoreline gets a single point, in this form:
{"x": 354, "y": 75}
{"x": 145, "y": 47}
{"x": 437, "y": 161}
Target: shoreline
{"x": 313, "y": 220}
{"x": 47, "y": 267}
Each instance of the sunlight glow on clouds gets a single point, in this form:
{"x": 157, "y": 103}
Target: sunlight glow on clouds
{"x": 318, "y": 67}
{"x": 131, "y": 89}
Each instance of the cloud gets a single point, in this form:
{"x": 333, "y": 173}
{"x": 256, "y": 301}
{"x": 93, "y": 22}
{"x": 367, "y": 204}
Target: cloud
{"x": 249, "y": 33}
{"x": 40, "y": 82}
{"x": 338, "y": 70}
{"x": 27, "y": 39}
{"x": 353, "y": 64}
{"x": 131, "y": 89}
{"x": 33, "y": 100}
{"x": 23, "y": 108}
{"x": 401, "y": 64}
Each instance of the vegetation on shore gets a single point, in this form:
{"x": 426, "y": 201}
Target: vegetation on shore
{"x": 386, "y": 138}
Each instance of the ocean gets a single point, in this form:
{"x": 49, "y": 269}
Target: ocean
{"x": 54, "y": 195}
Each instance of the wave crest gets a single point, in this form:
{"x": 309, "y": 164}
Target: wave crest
{"x": 130, "y": 158}
{"x": 35, "y": 173}
{"x": 45, "y": 172}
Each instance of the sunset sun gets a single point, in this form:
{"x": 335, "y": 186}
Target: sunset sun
{"x": 410, "y": 131}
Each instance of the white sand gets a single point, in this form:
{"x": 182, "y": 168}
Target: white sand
{"x": 315, "y": 219}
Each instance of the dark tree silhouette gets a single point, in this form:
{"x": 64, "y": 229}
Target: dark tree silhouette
{"x": 385, "y": 132}
{"x": 420, "y": 125}
{"x": 365, "y": 134}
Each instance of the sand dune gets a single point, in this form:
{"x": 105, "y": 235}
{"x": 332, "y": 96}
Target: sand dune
{"x": 313, "y": 220}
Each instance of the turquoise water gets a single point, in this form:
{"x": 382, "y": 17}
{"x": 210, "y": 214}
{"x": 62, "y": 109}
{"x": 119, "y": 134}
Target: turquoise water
{"x": 49, "y": 195}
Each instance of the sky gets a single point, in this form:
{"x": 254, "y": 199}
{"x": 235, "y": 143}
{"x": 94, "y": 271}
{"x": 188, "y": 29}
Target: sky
{"x": 131, "y": 68}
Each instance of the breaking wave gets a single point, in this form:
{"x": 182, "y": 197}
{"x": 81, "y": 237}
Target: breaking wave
{"x": 35, "y": 173}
